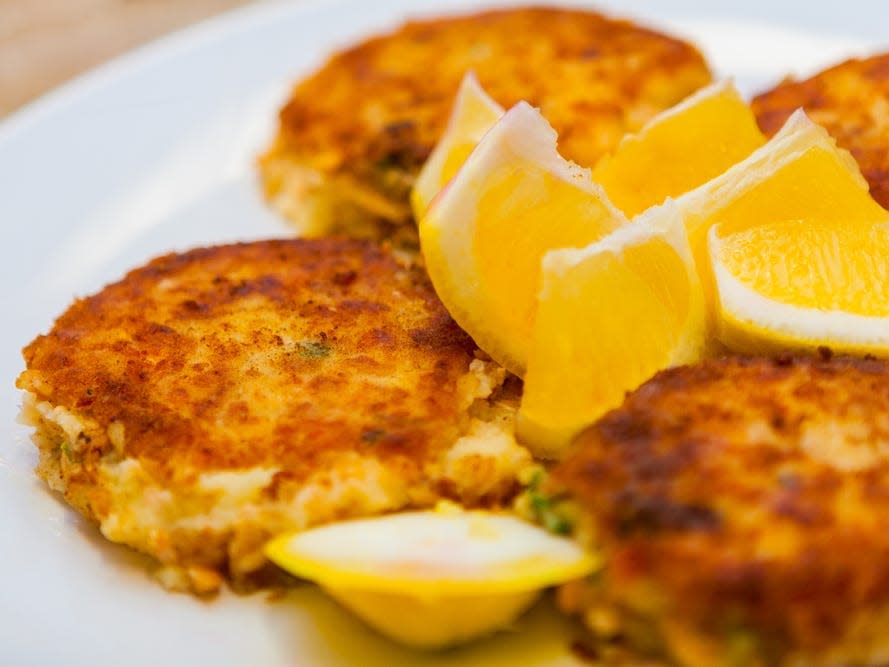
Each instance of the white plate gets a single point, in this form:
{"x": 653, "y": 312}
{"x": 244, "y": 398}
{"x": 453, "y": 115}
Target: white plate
{"x": 155, "y": 152}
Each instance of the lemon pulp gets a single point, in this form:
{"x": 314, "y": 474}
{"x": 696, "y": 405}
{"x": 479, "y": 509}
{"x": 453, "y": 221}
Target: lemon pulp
{"x": 680, "y": 149}
{"x": 609, "y": 316}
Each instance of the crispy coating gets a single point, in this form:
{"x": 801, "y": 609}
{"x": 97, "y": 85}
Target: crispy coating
{"x": 213, "y": 398}
{"x": 743, "y": 509}
{"x": 851, "y": 100}
{"x": 370, "y": 116}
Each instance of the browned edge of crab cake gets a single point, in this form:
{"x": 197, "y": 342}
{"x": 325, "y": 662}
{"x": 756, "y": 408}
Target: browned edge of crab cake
{"x": 215, "y": 398}
{"x": 741, "y": 506}
{"x": 851, "y": 100}
{"x": 355, "y": 133}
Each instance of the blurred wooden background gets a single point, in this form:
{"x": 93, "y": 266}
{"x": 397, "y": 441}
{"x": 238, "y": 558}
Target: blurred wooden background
{"x": 45, "y": 42}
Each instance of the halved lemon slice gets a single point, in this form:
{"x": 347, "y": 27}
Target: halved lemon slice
{"x": 483, "y": 238}
{"x": 474, "y": 113}
{"x": 433, "y": 578}
{"x": 803, "y": 284}
{"x": 680, "y": 149}
{"x": 609, "y": 316}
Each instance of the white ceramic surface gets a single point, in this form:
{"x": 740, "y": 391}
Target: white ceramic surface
{"x": 154, "y": 152}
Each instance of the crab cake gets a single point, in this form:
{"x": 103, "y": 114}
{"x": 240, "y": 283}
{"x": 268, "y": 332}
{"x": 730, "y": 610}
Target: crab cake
{"x": 742, "y": 509}
{"x": 851, "y": 100}
{"x": 212, "y": 399}
{"x": 355, "y": 133}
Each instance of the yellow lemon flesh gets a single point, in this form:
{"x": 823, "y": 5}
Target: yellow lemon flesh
{"x": 609, "y": 316}
{"x": 800, "y": 174}
{"x": 803, "y": 284}
{"x": 680, "y": 149}
{"x": 474, "y": 113}
{"x": 434, "y": 578}
{"x": 483, "y": 238}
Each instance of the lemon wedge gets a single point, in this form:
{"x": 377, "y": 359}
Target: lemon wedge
{"x": 680, "y": 149}
{"x": 484, "y": 235}
{"x": 609, "y": 316}
{"x": 803, "y": 284}
{"x": 473, "y": 114}
{"x": 434, "y": 578}
{"x": 800, "y": 174}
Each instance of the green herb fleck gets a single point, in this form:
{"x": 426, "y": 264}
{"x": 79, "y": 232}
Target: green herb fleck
{"x": 545, "y": 510}
{"x": 66, "y": 450}
{"x": 314, "y": 349}
{"x": 536, "y": 479}
{"x": 555, "y": 523}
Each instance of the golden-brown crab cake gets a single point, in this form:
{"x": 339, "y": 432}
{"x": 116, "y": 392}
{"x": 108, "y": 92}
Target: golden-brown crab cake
{"x": 851, "y": 100}
{"x": 742, "y": 510}
{"x": 355, "y": 133}
{"x": 212, "y": 399}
